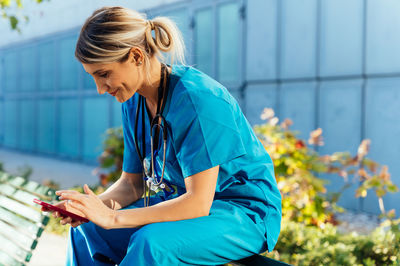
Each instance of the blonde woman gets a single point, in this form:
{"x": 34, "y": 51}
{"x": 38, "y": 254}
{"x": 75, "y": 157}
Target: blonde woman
{"x": 215, "y": 198}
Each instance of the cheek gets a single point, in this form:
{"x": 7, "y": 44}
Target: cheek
{"x": 112, "y": 83}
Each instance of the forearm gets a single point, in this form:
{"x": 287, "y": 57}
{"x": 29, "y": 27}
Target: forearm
{"x": 183, "y": 207}
{"x": 122, "y": 193}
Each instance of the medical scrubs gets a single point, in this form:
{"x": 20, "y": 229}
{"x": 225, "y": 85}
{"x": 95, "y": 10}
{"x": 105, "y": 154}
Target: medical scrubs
{"x": 206, "y": 128}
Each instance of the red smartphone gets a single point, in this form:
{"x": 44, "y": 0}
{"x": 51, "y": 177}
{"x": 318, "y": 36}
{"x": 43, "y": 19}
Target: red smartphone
{"x": 50, "y": 207}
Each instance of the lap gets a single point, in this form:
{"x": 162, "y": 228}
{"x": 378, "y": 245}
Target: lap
{"x": 116, "y": 239}
{"x": 227, "y": 233}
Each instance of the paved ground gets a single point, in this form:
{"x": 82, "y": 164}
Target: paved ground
{"x": 67, "y": 174}
{"x": 51, "y": 248}
{"x": 50, "y": 251}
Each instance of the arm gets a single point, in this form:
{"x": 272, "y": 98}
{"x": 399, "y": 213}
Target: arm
{"x": 127, "y": 189}
{"x": 194, "y": 203}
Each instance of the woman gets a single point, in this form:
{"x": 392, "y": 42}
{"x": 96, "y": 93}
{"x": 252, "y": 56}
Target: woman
{"x": 217, "y": 198}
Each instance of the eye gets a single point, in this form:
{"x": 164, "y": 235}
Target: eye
{"x": 104, "y": 75}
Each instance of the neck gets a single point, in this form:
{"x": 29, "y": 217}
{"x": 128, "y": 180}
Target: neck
{"x": 149, "y": 89}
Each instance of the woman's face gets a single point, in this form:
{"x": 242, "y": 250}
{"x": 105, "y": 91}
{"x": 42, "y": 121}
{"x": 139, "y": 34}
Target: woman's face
{"x": 120, "y": 80}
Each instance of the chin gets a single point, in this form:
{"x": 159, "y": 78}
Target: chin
{"x": 119, "y": 99}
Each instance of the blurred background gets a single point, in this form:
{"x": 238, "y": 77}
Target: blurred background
{"x": 329, "y": 64}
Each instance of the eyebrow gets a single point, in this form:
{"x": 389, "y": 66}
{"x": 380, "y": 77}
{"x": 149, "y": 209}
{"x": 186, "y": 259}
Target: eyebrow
{"x": 98, "y": 71}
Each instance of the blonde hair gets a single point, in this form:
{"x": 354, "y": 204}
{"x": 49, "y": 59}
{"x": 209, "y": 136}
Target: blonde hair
{"x": 110, "y": 32}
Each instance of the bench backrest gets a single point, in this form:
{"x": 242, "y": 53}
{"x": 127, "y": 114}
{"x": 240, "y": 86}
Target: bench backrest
{"x": 21, "y": 221}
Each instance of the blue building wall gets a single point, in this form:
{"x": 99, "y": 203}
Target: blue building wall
{"x": 332, "y": 64}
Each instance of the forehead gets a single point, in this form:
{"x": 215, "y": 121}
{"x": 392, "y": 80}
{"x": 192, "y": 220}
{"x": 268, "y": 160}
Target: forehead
{"x": 92, "y": 68}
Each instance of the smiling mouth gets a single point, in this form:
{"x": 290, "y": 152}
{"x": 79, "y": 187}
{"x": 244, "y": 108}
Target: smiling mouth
{"x": 114, "y": 93}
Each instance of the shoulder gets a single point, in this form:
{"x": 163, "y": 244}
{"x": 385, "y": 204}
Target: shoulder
{"x": 198, "y": 89}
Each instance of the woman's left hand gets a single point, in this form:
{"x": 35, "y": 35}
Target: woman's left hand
{"x": 90, "y": 205}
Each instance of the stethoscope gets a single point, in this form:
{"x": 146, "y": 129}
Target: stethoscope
{"x": 151, "y": 181}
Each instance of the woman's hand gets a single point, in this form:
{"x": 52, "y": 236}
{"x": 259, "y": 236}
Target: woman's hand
{"x": 90, "y": 205}
{"x": 65, "y": 220}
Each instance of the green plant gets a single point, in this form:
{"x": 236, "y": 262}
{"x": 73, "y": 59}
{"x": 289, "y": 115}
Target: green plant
{"x": 300, "y": 244}
{"x": 297, "y": 166}
{"x": 8, "y": 6}
{"x": 112, "y": 156}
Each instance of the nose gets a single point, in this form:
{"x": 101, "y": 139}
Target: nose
{"x": 101, "y": 89}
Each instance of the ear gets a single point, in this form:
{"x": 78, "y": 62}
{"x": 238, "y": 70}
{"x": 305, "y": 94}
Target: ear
{"x": 136, "y": 55}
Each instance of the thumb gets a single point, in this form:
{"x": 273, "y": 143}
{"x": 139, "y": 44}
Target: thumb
{"x": 88, "y": 190}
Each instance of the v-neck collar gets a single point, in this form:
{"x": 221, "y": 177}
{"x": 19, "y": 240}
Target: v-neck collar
{"x": 171, "y": 84}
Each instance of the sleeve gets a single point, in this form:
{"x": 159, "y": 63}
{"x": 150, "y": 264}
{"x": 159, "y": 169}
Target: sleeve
{"x": 206, "y": 134}
{"x": 131, "y": 162}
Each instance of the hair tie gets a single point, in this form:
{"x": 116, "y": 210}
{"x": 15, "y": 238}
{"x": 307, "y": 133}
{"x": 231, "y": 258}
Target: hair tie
{"x": 151, "y": 24}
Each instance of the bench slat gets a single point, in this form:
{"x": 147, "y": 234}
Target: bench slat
{"x": 20, "y": 209}
{"x": 35, "y": 188}
{"x": 20, "y": 195}
{"x": 259, "y": 260}
{"x": 17, "y": 237}
{"x": 12, "y": 248}
{"x": 21, "y": 221}
{"x": 29, "y": 227}
{"x": 5, "y": 259}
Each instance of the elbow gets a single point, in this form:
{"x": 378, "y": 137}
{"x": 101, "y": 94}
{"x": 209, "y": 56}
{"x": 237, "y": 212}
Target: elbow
{"x": 203, "y": 213}
{"x": 204, "y": 210}
{"x": 200, "y": 206}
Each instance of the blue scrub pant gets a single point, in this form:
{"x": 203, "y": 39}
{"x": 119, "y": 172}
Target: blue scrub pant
{"x": 226, "y": 234}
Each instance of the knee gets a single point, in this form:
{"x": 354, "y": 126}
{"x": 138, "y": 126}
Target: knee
{"x": 82, "y": 230}
{"x": 153, "y": 244}
{"x": 147, "y": 238}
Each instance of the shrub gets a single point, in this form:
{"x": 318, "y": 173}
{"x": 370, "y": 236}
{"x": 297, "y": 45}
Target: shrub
{"x": 300, "y": 244}
{"x": 111, "y": 158}
{"x": 297, "y": 166}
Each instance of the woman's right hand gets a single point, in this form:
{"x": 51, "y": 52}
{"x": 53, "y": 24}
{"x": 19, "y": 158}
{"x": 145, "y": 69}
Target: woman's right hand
{"x": 65, "y": 219}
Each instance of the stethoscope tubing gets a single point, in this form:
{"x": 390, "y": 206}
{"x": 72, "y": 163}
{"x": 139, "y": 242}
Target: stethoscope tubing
{"x": 162, "y": 125}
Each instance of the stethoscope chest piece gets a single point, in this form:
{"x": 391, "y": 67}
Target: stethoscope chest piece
{"x": 149, "y": 177}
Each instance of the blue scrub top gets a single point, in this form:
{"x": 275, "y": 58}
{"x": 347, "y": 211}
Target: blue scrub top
{"x": 206, "y": 128}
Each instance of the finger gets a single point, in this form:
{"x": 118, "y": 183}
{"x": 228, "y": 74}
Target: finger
{"x": 76, "y": 223}
{"x": 66, "y": 220}
{"x": 59, "y": 192}
{"x": 87, "y": 190}
{"x": 77, "y": 206}
{"x": 72, "y": 196}
{"x": 56, "y": 214}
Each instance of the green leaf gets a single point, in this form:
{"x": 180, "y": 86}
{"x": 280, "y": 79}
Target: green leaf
{"x": 380, "y": 192}
{"x": 13, "y": 22}
{"x": 5, "y": 3}
{"x": 392, "y": 188}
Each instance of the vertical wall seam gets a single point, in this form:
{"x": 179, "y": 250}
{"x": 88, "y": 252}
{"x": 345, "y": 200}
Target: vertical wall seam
{"x": 278, "y": 57}
{"x": 317, "y": 66}
{"x": 363, "y": 86}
